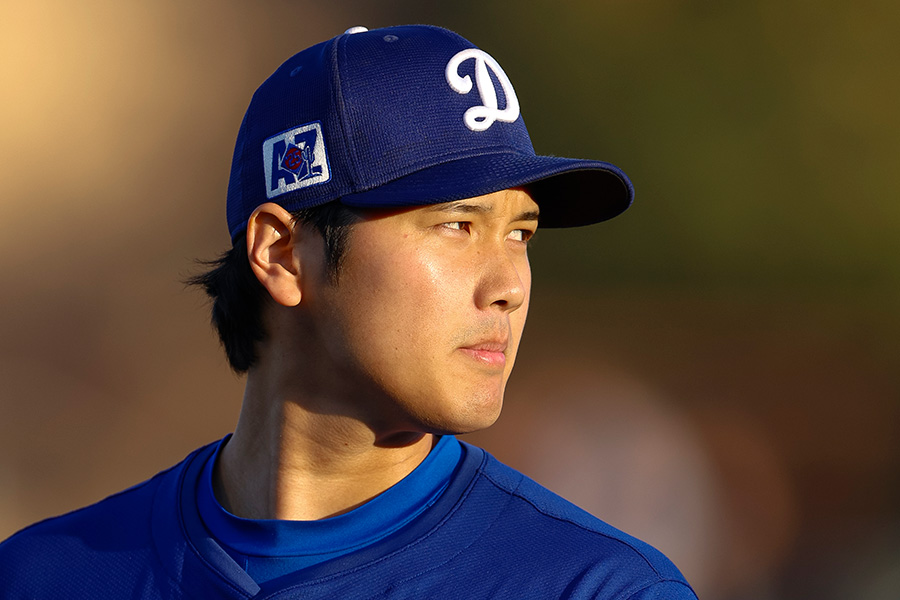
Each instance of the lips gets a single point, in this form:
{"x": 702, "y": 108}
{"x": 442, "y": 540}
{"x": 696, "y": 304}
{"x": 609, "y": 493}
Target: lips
{"x": 490, "y": 353}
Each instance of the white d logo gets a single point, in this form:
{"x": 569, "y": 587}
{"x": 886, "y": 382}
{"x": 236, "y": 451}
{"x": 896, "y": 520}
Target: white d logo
{"x": 479, "y": 118}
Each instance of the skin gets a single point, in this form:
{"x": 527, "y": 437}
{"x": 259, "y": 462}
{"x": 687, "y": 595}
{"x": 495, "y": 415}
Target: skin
{"x": 416, "y": 337}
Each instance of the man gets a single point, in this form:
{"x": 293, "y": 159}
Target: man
{"x": 382, "y": 196}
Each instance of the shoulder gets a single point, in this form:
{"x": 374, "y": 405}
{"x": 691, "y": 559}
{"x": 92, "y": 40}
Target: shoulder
{"x": 89, "y": 524}
{"x": 78, "y": 551}
{"x": 548, "y": 532}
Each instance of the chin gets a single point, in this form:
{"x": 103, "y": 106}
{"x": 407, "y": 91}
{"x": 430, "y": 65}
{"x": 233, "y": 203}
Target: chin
{"x": 469, "y": 416}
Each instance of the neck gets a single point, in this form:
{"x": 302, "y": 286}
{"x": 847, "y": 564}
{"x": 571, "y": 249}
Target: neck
{"x": 290, "y": 459}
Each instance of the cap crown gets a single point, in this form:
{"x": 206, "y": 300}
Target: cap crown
{"x": 363, "y": 109}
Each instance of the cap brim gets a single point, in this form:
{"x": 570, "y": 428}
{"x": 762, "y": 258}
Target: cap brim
{"x": 569, "y": 192}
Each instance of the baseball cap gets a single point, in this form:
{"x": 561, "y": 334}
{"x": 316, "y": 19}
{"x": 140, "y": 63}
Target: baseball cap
{"x": 403, "y": 116}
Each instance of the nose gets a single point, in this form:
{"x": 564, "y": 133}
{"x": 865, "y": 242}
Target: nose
{"x": 505, "y": 281}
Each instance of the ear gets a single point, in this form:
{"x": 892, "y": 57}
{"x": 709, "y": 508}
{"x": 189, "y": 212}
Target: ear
{"x": 270, "y": 248}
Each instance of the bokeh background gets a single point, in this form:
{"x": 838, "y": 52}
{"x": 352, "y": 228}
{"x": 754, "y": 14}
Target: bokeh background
{"x": 717, "y": 371}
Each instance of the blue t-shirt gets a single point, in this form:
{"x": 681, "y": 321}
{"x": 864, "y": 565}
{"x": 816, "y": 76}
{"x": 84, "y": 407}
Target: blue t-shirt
{"x": 267, "y": 549}
{"x": 491, "y": 534}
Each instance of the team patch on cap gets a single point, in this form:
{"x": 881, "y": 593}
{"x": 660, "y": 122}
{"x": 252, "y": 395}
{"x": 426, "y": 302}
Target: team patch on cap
{"x": 295, "y": 159}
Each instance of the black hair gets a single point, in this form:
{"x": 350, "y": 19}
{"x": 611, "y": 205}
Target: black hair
{"x": 237, "y": 295}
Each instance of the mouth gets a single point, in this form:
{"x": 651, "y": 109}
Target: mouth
{"x": 490, "y": 353}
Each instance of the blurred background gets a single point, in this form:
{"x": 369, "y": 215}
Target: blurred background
{"x": 717, "y": 371}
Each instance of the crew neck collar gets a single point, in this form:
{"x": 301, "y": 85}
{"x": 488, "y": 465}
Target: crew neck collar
{"x": 374, "y": 520}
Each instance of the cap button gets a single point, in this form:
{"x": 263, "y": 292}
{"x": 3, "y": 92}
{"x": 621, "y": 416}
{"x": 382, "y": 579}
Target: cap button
{"x": 357, "y": 29}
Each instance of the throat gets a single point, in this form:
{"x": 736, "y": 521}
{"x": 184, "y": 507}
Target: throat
{"x": 304, "y": 479}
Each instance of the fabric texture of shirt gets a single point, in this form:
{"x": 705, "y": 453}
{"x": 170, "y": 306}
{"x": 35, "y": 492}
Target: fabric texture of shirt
{"x": 492, "y": 533}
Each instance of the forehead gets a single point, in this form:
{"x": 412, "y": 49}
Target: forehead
{"x": 515, "y": 202}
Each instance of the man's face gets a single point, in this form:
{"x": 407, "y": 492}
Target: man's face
{"x": 426, "y": 316}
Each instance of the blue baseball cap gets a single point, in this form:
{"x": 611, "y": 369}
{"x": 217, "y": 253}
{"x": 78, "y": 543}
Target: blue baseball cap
{"x": 403, "y": 116}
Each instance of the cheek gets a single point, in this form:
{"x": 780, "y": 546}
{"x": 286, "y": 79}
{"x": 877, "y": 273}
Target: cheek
{"x": 402, "y": 310}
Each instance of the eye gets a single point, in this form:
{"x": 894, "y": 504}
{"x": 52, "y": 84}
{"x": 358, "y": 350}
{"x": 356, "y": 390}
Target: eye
{"x": 457, "y": 225}
{"x": 520, "y": 235}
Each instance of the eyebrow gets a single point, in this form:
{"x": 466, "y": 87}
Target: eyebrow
{"x": 461, "y": 206}
{"x": 464, "y": 207}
